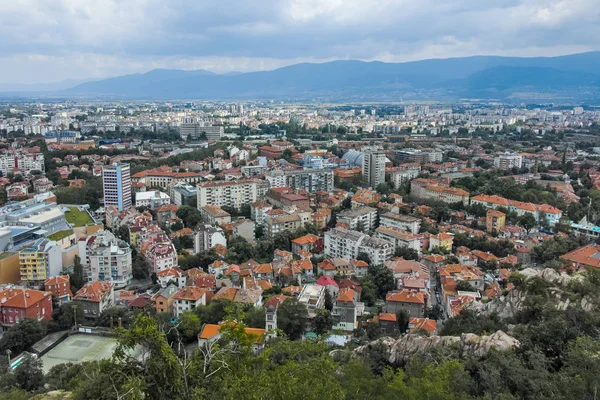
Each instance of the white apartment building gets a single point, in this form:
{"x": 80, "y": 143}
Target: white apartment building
{"x": 311, "y": 180}
{"x": 152, "y": 199}
{"x": 230, "y": 193}
{"x": 399, "y": 238}
{"x": 343, "y": 243}
{"x": 508, "y": 160}
{"x": 25, "y": 162}
{"x": 402, "y": 222}
{"x": 404, "y": 175}
{"x": 362, "y": 218}
{"x": 106, "y": 258}
{"x": 258, "y": 211}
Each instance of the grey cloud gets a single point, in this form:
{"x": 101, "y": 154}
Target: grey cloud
{"x": 92, "y": 36}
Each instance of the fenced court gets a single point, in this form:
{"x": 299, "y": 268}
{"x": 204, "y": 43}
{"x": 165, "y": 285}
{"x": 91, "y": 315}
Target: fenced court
{"x": 79, "y": 348}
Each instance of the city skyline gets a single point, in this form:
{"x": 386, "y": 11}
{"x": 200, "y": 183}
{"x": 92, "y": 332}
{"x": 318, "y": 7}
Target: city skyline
{"x": 84, "y": 40}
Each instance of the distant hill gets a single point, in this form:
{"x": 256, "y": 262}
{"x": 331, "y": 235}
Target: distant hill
{"x": 574, "y": 76}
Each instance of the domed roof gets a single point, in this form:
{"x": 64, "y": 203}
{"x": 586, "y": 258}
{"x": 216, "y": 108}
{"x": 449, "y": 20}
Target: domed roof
{"x": 354, "y": 157}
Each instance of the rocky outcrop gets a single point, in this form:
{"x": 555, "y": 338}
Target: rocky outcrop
{"x": 550, "y": 275}
{"x": 509, "y": 305}
{"x": 399, "y": 351}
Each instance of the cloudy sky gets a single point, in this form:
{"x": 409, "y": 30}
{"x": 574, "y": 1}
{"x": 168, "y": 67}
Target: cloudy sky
{"x": 54, "y": 40}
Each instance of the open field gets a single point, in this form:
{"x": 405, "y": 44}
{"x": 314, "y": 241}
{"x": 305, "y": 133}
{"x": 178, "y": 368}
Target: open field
{"x": 79, "y": 348}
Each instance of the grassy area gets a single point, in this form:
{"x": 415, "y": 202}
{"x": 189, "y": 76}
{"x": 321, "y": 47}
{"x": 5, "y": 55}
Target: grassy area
{"x": 60, "y": 234}
{"x": 78, "y": 218}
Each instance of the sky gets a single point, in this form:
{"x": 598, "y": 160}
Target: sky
{"x": 56, "y": 40}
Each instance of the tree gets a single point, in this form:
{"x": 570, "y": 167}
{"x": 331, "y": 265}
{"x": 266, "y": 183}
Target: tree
{"x": 22, "y": 336}
{"x": 190, "y": 216}
{"x": 465, "y": 286}
{"x": 66, "y": 314}
{"x": 406, "y": 253}
{"x": 292, "y": 317}
{"x": 322, "y": 321}
{"x": 328, "y": 301}
{"x": 77, "y": 280}
{"x": 402, "y": 319}
{"x": 528, "y": 221}
{"x": 189, "y": 326}
{"x": 383, "y": 279}
{"x": 29, "y": 375}
{"x": 139, "y": 266}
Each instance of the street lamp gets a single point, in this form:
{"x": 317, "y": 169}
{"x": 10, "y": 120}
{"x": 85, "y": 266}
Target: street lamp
{"x": 8, "y": 355}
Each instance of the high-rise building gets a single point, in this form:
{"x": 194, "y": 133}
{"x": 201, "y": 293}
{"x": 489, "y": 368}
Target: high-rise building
{"x": 373, "y": 167}
{"x": 116, "y": 179}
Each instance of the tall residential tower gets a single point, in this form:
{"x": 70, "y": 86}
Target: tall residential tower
{"x": 373, "y": 167}
{"x": 116, "y": 179}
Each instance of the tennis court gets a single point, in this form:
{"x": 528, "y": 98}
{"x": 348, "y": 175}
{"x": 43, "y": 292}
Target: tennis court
{"x": 79, "y": 348}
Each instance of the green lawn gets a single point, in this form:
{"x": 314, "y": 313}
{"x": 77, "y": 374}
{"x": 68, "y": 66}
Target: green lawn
{"x": 60, "y": 234}
{"x": 78, "y": 218}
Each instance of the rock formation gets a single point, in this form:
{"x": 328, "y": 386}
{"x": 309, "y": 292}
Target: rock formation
{"x": 399, "y": 351}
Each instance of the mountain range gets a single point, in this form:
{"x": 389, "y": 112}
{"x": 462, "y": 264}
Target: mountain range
{"x": 571, "y": 77}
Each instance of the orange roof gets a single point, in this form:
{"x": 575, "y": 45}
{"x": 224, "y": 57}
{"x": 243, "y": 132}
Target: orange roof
{"x": 406, "y": 296}
{"x": 491, "y": 199}
{"x": 346, "y": 295}
{"x": 94, "y": 291}
{"x": 22, "y": 298}
{"x": 306, "y": 239}
{"x": 430, "y": 325}
{"x": 189, "y": 293}
{"x": 209, "y": 331}
{"x": 226, "y": 294}
{"x": 387, "y": 317}
{"x": 587, "y": 255}
{"x": 57, "y": 280}
{"x": 263, "y": 269}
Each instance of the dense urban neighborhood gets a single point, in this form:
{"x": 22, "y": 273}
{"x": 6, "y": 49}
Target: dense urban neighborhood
{"x": 191, "y": 250}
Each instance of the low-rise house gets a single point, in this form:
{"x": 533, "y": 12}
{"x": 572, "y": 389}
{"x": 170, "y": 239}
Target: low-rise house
{"x": 163, "y": 299}
{"x": 211, "y": 333}
{"x": 172, "y": 274}
{"x": 388, "y": 323}
{"x": 329, "y": 284}
{"x": 411, "y": 301}
{"x": 310, "y": 243}
{"x": 95, "y": 298}
{"x": 441, "y": 240}
{"x": 422, "y": 324}
{"x": 187, "y": 298}
{"x": 17, "y": 304}
{"x": 215, "y": 215}
{"x": 60, "y": 286}
{"x": 344, "y": 310}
